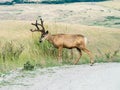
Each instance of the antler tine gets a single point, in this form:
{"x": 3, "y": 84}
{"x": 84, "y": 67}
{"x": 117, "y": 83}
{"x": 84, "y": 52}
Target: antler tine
{"x": 42, "y": 24}
{"x": 34, "y": 30}
{"x": 36, "y": 25}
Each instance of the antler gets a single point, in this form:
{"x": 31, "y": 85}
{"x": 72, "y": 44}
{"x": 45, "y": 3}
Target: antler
{"x": 42, "y": 24}
{"x": 38, "y": 29}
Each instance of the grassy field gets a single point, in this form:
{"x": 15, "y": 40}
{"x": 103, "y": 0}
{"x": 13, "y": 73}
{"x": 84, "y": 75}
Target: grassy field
{"x": 111, "y": 4}
{"x": 18, "y": 45}
{"x": 105, "y": 13}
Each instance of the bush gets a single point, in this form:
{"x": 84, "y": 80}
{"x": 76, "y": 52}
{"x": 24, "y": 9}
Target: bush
{"x": 28, "y": 66}
{"x": 112, "y": 17}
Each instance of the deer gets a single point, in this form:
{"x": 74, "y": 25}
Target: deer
{"x": 61, "y": 41}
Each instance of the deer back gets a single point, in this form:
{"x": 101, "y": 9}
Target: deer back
{"x": 67, "y": 40}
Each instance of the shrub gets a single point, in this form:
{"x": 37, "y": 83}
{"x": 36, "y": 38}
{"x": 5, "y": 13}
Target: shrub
{"x": 28, "y": 66}
{"x": 112, "y": 17}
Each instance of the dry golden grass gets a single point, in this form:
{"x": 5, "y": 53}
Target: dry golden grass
{"x": 102, "y": 41}
{"x": 84, "y": 13}
{"x": 111, "y": 4}
{"x": 98, "y": 37}
{"x": 14, "y": 30}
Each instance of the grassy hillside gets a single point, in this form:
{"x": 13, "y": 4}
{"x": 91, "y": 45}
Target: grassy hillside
{"x": 111, "y": 4}
{"x": 90, "y": 13}
{"x": 18, "y": 45}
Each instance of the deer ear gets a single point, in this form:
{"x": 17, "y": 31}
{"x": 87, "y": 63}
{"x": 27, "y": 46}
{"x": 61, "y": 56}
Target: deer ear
{"x": 46, "y": 32}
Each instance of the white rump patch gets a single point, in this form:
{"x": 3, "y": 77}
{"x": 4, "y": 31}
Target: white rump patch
{"x": 85, "y": 40}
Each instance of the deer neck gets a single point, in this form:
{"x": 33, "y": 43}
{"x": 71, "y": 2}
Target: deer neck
{"x": 50, "y": 38}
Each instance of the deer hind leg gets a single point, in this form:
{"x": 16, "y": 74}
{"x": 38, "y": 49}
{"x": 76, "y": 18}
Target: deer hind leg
{"x": 80, "y": 54}
{"x": 90, "y": 55}
{"x": 60, "y": 54}
{"x": 72, "y": 54}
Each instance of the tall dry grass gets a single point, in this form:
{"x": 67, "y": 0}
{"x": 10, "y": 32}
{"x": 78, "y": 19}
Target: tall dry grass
{"x": 21, "y": 46}
{"x": 111, "y": 4}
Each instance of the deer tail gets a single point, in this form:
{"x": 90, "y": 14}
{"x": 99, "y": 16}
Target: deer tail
{"x": 85, "y": 39}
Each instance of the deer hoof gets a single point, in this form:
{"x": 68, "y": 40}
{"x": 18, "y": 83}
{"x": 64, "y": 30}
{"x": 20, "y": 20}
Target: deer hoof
{"x": 75, "y": 63}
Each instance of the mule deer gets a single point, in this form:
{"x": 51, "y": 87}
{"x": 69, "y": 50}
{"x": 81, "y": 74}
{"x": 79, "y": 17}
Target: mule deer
{"x": 61, "y": 41}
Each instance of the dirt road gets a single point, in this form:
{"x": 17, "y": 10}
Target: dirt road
{"x": 79, "y": 77}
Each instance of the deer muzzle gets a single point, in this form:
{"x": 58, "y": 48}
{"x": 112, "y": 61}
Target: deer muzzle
{"x": 40, "y": 41}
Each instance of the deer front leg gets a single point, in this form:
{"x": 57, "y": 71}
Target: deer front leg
{"x": 60, "y": 54}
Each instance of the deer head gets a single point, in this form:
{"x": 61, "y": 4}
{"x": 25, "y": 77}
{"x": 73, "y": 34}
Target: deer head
{"x": 43, "y": 32}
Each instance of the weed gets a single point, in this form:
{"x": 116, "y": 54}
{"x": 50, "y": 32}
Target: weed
{"x": 28, "y": 66}
{"x": 112, "y": 17}
{"x": 109, "y": 56}
{"x": 11, "y": 51}
{"x": 109, "y": 21}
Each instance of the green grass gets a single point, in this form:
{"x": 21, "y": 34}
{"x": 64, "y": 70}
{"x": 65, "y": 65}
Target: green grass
{"x": 19, "y": 46}
{"x": 109, "y": 21}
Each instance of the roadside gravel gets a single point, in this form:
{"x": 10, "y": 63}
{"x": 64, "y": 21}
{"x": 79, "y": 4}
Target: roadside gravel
{"x": 102, "y": 76}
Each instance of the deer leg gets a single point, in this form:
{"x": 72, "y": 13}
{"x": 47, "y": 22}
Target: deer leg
{"x": 80, "y": 54}
{"x": 90, "y": 55}
{"x": 60, "y": 54}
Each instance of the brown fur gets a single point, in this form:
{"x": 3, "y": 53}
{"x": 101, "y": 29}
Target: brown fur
{"x": 68, "y": 41}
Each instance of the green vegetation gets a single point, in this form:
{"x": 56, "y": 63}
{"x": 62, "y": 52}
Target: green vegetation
{"x": 12, "y": 2}
{"x": 21, "y": 48}
{"x": 68, "y": 1}
{"x": 28, "y": 66}
{"x": 10, "y": 51}
{"x": 109, "y": 21}
{"x": 108, "y": 56}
